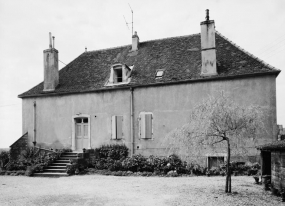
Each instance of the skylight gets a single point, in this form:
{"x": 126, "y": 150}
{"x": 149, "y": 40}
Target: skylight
{"x": 159, "y": 73}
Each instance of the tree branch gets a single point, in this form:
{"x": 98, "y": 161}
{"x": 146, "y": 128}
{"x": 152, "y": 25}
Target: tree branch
{"x": 218, "y": 141}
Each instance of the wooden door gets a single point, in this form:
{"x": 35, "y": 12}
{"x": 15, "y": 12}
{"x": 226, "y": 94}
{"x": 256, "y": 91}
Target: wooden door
{"x": 81, "y": 133}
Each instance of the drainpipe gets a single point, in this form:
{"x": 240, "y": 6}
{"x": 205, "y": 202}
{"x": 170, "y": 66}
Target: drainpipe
{"x": 34, "y": 138}
{"x": 132, "y": 120}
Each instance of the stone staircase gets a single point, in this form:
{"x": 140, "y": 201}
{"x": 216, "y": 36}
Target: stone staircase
{"x": 58, "y": 167}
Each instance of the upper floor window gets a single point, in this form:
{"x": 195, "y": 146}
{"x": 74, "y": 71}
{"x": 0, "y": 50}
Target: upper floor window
{"x": 120, "y": 74}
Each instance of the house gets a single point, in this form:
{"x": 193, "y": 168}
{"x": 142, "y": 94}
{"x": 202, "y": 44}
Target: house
{"x": 273, "y": 160}
{"x": 136, "y": 94}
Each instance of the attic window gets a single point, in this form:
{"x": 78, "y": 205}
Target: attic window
{"x": 119, "y": 74}
{"x": 159, "y": 73}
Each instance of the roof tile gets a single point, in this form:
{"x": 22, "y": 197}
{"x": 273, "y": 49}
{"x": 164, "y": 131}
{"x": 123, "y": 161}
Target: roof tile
{"x": 180, "y": 57}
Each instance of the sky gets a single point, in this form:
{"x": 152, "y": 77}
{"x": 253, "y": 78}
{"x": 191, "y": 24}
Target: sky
{"x": 255, "y": 25}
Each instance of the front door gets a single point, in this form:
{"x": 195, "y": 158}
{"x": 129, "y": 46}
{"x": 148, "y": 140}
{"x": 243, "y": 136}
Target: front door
{"x": 81, "y": 133}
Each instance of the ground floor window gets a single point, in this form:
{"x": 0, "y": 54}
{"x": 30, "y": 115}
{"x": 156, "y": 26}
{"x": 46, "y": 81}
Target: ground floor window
{"x": 215, "y": 161}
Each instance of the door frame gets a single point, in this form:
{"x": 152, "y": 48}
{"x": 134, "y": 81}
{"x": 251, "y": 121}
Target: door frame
{"x": 73, "y": 141}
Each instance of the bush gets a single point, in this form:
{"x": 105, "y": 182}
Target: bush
{"x": 196, "y": 169}
{"x": 4, "y": 158}
{"x": 136, "y": 163}
{"x": 241, "y": 168}
{"x": 113, "y": 151}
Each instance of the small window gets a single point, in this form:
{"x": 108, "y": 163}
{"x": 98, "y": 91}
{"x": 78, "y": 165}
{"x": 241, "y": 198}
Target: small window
{"x": 215, "y": 161}
{"x": 78, "y": 120}
{"x": 146, "y": 130}
{"x": 159, "y": 73}
{"x": 118, "y": 74}
{"x": 117, "y": 127}
{"x": 85, "y": 120}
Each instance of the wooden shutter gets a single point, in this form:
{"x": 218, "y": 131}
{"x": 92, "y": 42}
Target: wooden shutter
{"x": 117, "y": 127}
{"x": 119, "y": 124}
{"x": 146, "y": 126}
{"x": 114, "y": 127}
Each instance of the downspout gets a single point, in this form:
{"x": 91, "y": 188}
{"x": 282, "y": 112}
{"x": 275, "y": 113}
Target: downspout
{"x": 34, "y": 119}
{"x": 132, "y": 120}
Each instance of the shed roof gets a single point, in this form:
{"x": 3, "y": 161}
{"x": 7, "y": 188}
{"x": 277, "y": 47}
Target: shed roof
{"x": 180, "y": 57}
{"x": 277, "y": 145}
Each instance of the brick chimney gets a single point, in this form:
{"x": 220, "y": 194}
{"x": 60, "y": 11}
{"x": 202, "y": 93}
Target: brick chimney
{"x": 135, "y": 42}
{"x": 51, "y": 78}
{"x": 208, "y": 47}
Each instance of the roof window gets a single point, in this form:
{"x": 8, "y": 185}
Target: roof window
{"x": 159, "y": 73}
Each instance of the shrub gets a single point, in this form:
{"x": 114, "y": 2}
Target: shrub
{"x": 113, "y": 151}
{"x": 71, "y": 168}
{"x": 136, "y": 163}
{"x": 4, "y": 158}
{"x": 196, "y": 169}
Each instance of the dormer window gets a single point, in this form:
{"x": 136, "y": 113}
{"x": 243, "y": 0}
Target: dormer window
{"x": 120, "y": 74}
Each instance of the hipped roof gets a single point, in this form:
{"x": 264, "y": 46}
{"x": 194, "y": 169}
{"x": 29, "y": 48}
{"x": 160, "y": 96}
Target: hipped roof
{"x": 180, "y": 57}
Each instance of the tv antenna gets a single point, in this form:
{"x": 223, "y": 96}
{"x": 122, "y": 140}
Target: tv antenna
{"x": 127, "y": 23}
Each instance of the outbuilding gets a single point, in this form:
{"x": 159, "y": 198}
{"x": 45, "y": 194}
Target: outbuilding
{"x": 273, "y": 163}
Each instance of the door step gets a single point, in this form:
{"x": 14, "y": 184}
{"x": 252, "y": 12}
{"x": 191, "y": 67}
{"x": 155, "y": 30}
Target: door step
{"x": 50, "y": 174}
{"x": 58, "y": 167}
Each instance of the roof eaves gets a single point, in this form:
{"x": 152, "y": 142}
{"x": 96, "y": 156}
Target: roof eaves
{"x": 276, "y": 145}
{"x": 216, "y": 78}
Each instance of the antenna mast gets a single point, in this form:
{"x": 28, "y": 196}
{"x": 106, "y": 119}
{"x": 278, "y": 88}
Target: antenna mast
{"x": 132, "y": 20}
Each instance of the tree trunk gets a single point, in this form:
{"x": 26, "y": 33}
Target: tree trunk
{"x": 228, "y": 178}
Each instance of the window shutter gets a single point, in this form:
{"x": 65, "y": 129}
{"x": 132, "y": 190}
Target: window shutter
{"x": 148, "y": 126}
{"x": 114, "y": 136}
{"x": 117, "y": 127}
{"x": 119, "y": 132}
{"x": 142, "y": 119}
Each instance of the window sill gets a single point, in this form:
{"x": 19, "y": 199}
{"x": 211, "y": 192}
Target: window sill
{"x": 108, "y": 84}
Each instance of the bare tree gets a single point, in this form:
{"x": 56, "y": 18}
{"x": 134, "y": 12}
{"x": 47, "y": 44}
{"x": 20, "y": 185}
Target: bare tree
{"x": 218, "y": 123}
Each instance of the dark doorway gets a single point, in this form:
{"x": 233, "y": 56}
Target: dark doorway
{"x": 266, "y": 163}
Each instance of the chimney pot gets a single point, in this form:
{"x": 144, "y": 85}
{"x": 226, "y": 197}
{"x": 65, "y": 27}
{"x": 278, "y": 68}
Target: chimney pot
{"x": 53, "y": 42}
{"x": 50, "y": 40}
{"x": 207, "y": 15}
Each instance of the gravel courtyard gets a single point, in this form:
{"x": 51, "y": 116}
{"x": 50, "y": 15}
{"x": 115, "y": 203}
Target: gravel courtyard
{"x": 111, "y": 190}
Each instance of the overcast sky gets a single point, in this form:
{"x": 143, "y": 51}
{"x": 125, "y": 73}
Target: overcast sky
{"x": 255, "y": 25}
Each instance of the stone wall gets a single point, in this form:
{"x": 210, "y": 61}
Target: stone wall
{"x": 18, "y": 146}
{"x": 278, "y": 169}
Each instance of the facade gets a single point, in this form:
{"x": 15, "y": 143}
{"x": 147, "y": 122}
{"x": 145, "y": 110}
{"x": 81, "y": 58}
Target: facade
{"x": 137, "y": 94}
